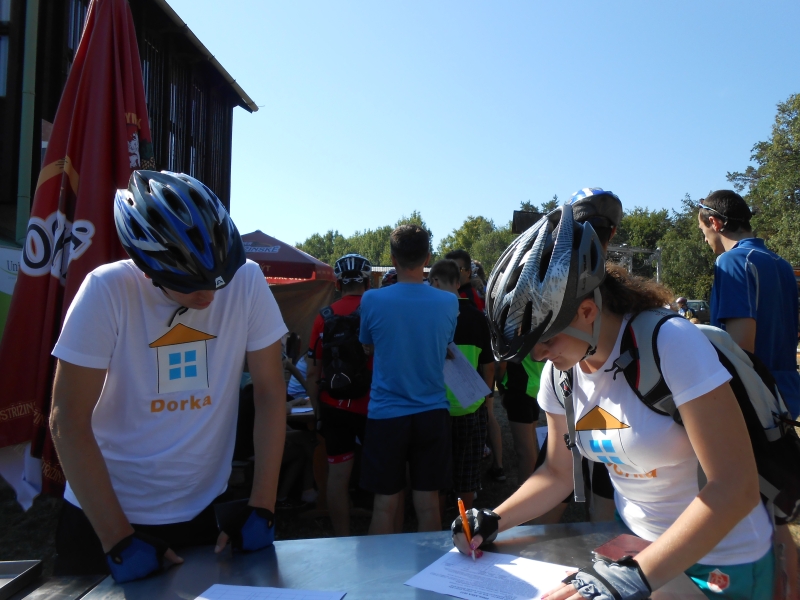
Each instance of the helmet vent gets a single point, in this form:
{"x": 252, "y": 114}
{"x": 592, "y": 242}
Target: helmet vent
{"x": 194, "y": 235}
{"x": 177, "y": 205}
{"x": 137, "y": 230}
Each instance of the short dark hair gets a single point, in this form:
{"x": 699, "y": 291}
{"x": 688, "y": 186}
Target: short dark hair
{"x": 355, "y": 286}
{"x": 460, "y": 255}
{"x": 410, "y": 245}
{"x": 728, "y": 206}
{"x": 446, "y": 270}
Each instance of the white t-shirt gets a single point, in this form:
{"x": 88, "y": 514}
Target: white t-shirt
{"x": 651, "y": 461}
{"x": 166, "y": 418}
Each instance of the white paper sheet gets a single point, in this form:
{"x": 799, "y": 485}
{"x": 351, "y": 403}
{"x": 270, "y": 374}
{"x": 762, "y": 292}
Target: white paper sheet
{"x": 492, "y": 577}
{"x": 243, "y": 592}
{"x": 463, "y": 379}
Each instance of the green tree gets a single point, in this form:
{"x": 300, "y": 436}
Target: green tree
{"x": 323, "y": 247}
{"x": 489, "y": 247}
{"x": 687, "y": 261}
{"x": 643, "y": 228}
{"x": 465, "y": 237}
{"x": 772, "y": 187}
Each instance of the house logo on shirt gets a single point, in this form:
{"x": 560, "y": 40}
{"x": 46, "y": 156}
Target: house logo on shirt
{"x": 182, "y": 359}
{"x": 598, "y": 433}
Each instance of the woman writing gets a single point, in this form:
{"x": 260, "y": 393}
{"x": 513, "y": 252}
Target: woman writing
{"x": 551, "y": 295}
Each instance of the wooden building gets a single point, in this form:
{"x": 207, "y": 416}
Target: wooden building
{"x": 190, "y": 96}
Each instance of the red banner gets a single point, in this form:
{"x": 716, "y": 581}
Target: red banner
{"x": 100, "y": 134}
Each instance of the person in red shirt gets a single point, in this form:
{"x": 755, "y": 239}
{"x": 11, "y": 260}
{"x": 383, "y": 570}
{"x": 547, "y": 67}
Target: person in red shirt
{"x": 343, "y": 420}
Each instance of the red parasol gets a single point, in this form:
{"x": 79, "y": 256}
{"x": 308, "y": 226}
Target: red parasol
{"x": 300, "y": 283}
{"x": 280, "y": 261}
{"x": 100, "y": 134}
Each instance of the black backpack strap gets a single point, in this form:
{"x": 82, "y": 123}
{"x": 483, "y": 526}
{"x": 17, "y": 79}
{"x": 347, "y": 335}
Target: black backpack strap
{"x": 327, "y": 313}
{"x": 564, "y": 395}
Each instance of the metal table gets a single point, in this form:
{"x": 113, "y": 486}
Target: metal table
{"x": 365, "y": 567}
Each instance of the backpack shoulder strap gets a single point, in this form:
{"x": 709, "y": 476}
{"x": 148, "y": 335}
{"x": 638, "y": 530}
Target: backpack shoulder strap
{"x": 563, "y": 391}
{"x": 639, "y": 361}
{"x": 327, "y": 313}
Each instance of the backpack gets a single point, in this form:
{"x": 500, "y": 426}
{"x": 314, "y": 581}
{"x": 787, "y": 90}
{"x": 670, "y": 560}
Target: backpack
{"x": 776, "y": 445}
{"x": 345, "y": 370}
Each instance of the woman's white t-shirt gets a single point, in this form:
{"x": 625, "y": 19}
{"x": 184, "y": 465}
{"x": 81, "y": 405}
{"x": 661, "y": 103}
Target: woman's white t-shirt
{"x": 166, "y": 418}
{"x": 651, "y": 461}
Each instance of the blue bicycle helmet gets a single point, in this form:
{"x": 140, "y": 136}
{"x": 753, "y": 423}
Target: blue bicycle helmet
{"x": 177, "y": 231}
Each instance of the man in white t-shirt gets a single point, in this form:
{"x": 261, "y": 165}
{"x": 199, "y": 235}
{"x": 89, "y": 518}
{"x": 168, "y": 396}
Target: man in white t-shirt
{"x": 145, "y": 398}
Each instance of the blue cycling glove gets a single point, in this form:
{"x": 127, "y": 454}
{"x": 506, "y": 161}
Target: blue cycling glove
{"x": 135, "y": 556}
{"x": 622, "y": 580}
{"x": 252, "y": 528}
{"x": 481, "y": 521}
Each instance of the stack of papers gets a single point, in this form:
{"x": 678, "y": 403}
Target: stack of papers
{"x": 495, "y": 576}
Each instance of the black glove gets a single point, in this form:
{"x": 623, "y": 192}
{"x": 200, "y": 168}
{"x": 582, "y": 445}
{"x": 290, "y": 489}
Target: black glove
{"x": 622, "y": 580}
{"x": 481, "y": 521}
{"x": 135, "y": 556}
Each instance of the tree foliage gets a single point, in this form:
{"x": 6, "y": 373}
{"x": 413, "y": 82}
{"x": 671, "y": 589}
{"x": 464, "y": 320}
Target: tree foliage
{"x": 371, "y": 243}
{"x": 772, "y": 187}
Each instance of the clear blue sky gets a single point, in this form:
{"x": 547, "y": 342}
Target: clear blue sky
{"x": 371, "y": 110}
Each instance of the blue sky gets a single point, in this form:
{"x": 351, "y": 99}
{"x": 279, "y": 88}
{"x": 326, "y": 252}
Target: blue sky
{"x": 371, "y": 110}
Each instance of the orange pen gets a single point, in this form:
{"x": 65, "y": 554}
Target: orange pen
{"x": 465, "y": 524}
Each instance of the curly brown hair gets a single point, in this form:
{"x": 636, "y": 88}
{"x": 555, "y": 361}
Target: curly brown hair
{"x": 624, "y": 293}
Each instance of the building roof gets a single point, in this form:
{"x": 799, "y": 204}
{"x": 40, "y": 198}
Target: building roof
{"x": 245, "y": 101}
{"x": 181, "y": 334}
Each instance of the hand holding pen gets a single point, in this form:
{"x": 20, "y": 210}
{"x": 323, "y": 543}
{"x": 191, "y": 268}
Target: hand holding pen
{"x": 474, "y": 528}
{"x": 465, "y": 525}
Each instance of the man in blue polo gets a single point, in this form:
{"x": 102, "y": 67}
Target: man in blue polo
{"x": 754, "y": 298}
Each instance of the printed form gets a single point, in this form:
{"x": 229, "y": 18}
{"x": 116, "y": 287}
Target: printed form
{"x": 492, "y": 577}
{"x": 463, "y": 379}
{"x": 244, "y": 592}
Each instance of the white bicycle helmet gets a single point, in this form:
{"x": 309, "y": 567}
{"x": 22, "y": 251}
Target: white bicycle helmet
{"x": 352, "y": 267}
{"x": 538, "y": 283}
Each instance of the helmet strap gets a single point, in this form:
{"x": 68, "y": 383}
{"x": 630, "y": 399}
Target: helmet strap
{"x": 594, "y": 338}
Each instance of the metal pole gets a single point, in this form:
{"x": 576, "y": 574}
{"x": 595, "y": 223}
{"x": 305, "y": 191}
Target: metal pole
{"x": 26, "y": 120}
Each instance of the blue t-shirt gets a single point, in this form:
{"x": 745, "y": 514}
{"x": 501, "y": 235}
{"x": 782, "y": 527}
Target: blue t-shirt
{"x": 751, "y": 281}
{"x": 410, "y": 326}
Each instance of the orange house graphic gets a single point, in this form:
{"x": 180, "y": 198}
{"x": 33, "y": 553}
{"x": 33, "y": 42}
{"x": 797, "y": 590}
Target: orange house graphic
{"x": 182, "y": 359}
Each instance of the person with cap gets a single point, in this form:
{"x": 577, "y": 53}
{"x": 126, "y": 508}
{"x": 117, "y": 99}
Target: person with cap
{"x": 683, "y": 309}
{"x": 754, "y": 298}
{"x": 343, "y": 418}
{"x": 552, "y": 294}
{"x": 146, "y": 389}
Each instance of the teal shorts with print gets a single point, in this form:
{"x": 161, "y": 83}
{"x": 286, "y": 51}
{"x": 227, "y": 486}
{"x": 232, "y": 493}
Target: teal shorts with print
{"x": 750, "y": 581}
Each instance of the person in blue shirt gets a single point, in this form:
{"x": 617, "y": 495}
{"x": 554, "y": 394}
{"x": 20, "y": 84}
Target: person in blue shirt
{"x": 754, "y": 298}
{"x": 407, "y": 328}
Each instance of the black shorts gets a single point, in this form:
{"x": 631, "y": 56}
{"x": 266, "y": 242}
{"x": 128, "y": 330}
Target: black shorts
{"x": 520, "y": 407}
{"x": 81, "y": 553}
{"x": 469, "y": 437}
{"x": 343, "y": 430}
{"x": 599, "y": 483}
{"x": 422, "y": 440}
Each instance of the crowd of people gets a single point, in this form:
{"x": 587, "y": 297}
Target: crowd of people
{"x": 149, "y": 410}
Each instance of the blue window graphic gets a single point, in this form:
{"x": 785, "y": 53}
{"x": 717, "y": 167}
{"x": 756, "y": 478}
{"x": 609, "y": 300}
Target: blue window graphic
{"x": 179, "y": 364}
{"x": 601, "y": 446}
